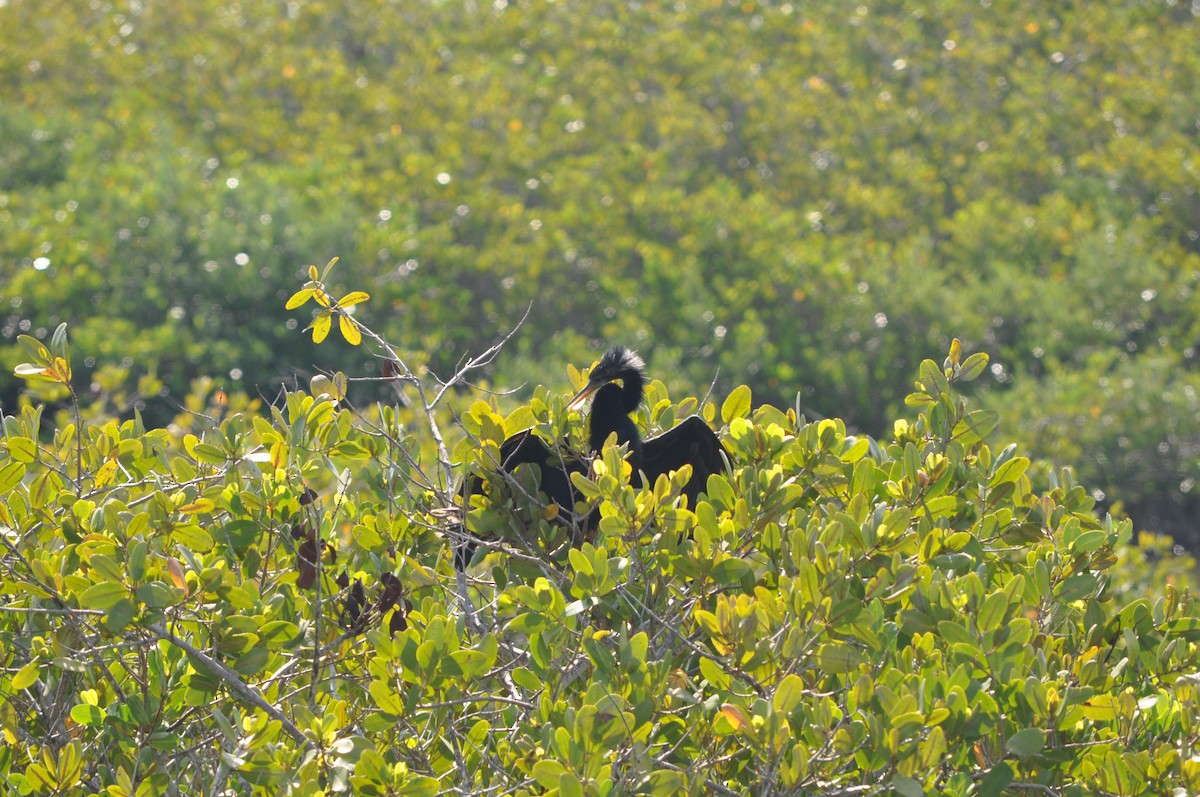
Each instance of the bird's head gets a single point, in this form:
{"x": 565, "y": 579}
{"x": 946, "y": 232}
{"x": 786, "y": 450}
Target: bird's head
{"x": 618, "y": 363}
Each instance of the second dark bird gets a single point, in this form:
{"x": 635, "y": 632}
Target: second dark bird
{"x": 617, "y": 385}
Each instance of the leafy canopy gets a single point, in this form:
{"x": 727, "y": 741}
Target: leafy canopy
{"x": 266, "y": 604}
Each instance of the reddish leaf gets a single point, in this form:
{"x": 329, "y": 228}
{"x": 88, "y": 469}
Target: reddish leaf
{"x": 306, "y": 562}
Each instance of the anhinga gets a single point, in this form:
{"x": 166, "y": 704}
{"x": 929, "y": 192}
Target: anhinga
{"x": 618, "y": 384}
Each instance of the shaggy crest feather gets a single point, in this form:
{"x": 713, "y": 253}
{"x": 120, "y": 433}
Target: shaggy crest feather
{"x": 615, "y": 360}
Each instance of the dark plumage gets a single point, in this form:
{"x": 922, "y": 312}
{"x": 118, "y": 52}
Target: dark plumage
{"x": 617, "y": 385}
{"x": 614, "y": 402}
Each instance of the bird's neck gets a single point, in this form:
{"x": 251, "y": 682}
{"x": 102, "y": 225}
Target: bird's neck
{"x": 610, "y": 413}
{"x": 632, "y": 390}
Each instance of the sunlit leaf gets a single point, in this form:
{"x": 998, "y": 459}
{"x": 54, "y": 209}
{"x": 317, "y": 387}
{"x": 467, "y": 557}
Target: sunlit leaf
{"x": 353, "y": 298}
{"x": 22, "y": 449}
{"x": 103, "y": 595}
{"x": 11, "y": 474}
{"x": 349, "y": 329}
{"x": 299, "y": 298}
{"x": 321, "y": 325}
{"x": 26, "y": 676}
{"x": 736, "y": 404}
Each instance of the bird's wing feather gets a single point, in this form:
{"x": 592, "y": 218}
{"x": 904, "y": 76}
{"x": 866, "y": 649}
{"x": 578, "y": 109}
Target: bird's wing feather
{"x": 693, "y": 443}
{"x": 526, "y": 448}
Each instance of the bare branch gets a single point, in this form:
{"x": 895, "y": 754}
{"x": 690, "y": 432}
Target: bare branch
{"x": 236, "y": 685}
{"x": 483, "y": 359}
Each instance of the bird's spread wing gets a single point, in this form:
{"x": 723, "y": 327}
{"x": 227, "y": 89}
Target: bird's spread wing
{"x": 693, "y": 443}
{"x": 526, "y": 448}
{"x": 554, "y": 480}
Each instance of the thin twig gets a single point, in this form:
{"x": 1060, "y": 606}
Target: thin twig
{"x": 236, "y": 685}
{"x": 483, "y": 359}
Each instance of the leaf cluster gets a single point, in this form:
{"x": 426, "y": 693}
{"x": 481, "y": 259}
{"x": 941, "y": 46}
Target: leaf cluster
{"x": 268, "y": 605}
{"x": 803, "y": 196}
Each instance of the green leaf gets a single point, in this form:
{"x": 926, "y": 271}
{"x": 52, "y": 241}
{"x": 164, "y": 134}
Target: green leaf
{"x": 1187, "y": 628}
{"x": 22, "y": 449}
{"x": 975, "y": 426}
{"x": 158, "y": 595}
{"x": 1100, "y": 708}
{"x": 201, "y": 506}
{"x": 992, "y": 613}
{"x": 33, "y": 372}
{"x": 241, "y": 534}
{"x": 932, "y": 378}
{"x": 996, "y": 781}
{"x": 857, "y": 450}
{"x": 907, "y": 787}
{"x": 208, "y": 453}
{"x": 1076, "y": 587}
{"x": 973, "y": 366}
{"x": 547, "y": 772}
{"x": 1026, "y": 742}
{"x": 837, "y": 657}
{"x": 730, "y": 571}
{"x": 528, "y": 680}
{"x": 103, "y": 595}
{"x": 719, "y": 491}
{"x": 136, "y": 558}
{"x": 579, "y": 561}
{"x": 86, "y": 714}
{"x": 666, "y": 783}
{"x": 120, "y": 615}
{"x": 10, "y": 476}
{"x": 1088, "y": 541}
{"x": 736, "y": 404}
{"x": 569, "y": 785}
{"x": 34, "y": 348}
{"x": 387, "y": 699}
{"x": 717, "y": 678}
{"x": 1010, "y": 471}
{"x": 420, "y": 786}
{"x": 26, "y": 676}
{"x": 193, "y": 537}
{"x": 788, "y": 694}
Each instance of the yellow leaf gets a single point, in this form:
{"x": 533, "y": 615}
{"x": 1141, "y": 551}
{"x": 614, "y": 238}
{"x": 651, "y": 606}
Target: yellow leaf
{"x": 735, "y": 716}
{"x": 105, "y": 473}
{"x": 321, "y": 385}
{"x": 61, "y": 370}
{"x": 349, "y": 329}
{"x": 353, "y": 298}
{"x": 175, "y": 571}
{"x": 312, "y": 273}
{"x": 198, "y": 506}
{"x": 321, "y": 325}
{"x": 26, "y": 676}
{"x": 299, "y": 298}
{"x": 322, "y": 298}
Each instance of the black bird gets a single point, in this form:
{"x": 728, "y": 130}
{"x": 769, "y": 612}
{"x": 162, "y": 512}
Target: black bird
{"x": 618, "y": 385}
{"x": 692, "y": 442}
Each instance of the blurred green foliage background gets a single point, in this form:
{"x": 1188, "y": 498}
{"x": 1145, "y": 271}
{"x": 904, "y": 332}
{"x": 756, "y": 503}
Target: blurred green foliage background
{"x": 806, "y": 198}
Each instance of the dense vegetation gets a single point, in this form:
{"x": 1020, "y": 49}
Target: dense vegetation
{"x": 250, "y": 591}
{"x": 250, "y": 604}
{"x": 805, "y": 196}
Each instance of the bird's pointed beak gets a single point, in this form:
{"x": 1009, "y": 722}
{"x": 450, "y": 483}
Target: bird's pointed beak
{"x": 582, "y": 395}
